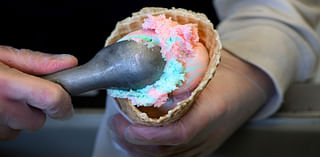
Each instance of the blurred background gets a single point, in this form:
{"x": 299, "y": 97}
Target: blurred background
{"x": 81, "y": 27}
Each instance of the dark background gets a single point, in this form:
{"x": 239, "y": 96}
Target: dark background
{"x": 75, "y": 27}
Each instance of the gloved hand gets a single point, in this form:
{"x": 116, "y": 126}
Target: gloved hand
{"x": 25, "y": 99}
{"x": 236, "y": 92}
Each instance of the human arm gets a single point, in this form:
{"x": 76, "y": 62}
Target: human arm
{"x": 279, "y": 53}
{"x": 26, "y": 99}
{"x": 278, "y": 37}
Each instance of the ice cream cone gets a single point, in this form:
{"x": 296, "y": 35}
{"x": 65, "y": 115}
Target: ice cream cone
{"x": 208, "y": 37}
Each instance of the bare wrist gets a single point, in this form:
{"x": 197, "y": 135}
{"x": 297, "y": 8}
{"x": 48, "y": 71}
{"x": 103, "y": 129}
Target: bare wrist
{"x": 254, "y": 74}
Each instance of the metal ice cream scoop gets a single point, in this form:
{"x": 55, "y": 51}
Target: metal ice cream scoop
{"x": 123, "y": 65}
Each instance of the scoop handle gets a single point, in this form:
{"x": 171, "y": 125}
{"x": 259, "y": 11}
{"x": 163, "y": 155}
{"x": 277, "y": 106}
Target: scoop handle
{"x": 77, "y": 80}
{"x": 123, "y": 65}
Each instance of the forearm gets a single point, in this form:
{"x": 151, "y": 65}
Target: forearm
{"x": 274, "y": 36}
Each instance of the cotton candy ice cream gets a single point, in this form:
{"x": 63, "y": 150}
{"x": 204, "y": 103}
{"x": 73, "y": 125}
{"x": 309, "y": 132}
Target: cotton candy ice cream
{"x": 186, "y": 61}
{"x": 178, "y": 102}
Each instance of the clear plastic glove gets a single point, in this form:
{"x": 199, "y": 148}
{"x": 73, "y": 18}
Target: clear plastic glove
{"x": 236, "y": 92}
{"x": 26, "y": 99}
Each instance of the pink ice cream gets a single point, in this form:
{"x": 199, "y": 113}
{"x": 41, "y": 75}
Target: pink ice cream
{"x": 195, "y": 67}
{"x": 178, "y": 42}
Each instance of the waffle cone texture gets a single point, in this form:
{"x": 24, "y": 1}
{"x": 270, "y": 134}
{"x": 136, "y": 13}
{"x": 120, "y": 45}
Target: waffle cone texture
{"x": 208, "y": 37}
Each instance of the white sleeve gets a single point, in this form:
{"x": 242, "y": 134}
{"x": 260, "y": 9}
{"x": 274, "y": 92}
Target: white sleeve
{"x": 278, "y": 36}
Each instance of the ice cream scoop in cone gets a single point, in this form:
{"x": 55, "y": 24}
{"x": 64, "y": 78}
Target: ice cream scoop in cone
{"x": 154, "y": 116}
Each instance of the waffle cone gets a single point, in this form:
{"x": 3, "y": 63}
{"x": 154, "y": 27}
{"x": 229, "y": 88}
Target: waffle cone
{"x": 208, "y": 37}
